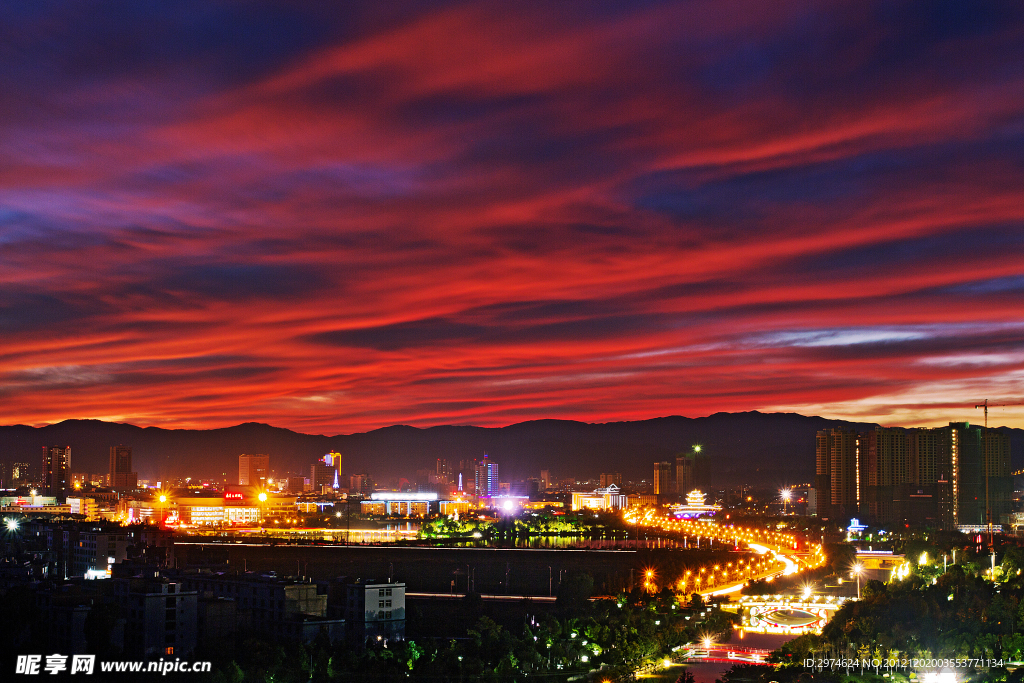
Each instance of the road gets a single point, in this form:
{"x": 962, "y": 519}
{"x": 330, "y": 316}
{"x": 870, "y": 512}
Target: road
{"x": 775, "y": 551}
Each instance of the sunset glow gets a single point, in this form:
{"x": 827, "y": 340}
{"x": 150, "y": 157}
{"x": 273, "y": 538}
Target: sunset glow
{"x": 335, "y": 217}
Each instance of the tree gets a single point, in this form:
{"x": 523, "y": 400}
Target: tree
{"x": 872, "y": 588}
{"x": 574, "y": 593}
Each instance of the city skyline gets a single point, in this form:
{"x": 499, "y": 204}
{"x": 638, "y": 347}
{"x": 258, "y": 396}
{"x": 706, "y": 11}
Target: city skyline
{"x": 334, "y": 219}
{"x": 716, "y": 449}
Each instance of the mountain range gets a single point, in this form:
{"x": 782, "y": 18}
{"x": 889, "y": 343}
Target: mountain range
{"x": 769, "y": 449}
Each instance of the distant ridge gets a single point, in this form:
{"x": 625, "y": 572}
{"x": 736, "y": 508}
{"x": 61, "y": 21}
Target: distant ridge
{"x": 749, "y": 447}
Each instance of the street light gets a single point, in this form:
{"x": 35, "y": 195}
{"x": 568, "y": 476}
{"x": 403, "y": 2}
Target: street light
{"x": 857, "y": 569}
{"x": 786, "y": 495}
{"x": 263, "y": 499}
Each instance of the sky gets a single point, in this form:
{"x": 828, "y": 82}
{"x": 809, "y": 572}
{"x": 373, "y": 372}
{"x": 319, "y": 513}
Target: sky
{"x": 334, "y": 217}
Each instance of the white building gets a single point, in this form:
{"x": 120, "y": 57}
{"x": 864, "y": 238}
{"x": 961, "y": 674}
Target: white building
{"x": 607, "y": 498}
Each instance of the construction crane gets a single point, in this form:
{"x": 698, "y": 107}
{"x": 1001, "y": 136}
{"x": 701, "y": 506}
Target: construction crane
{"x": 985, "y": 405}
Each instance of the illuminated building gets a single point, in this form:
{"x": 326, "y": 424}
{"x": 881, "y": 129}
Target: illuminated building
{"x": 241, "y": 515}
{"x": 443, "y": 471}
{"x": 487, "y": 483}
{"x": 235, "y": 506}
{"x": 663, "y": 481}
{"x": 21, "y": 474}
{"x": 545, "y": 479}
{"x": 607, "y": 498}
{"x": 980, "y": 465}
{"x": 56, "y": 477}
{"x": 396, "y": 503}
{"x": 27, "y": 501}
{"x": 253, "y": 470}
{"x": 332, "y": 459}
{"x": 202, "y": 515}
{"x": 503, "y": 504}
{"x": 695, "y": 506}
{"x": 451, "y": 507}
{"x": 641, "y": 500}
{"x": 323, "y": 474}
{"x": 80, "y": 479}
{"x": 121, "y": 477}
{"x": 88, "y": 507}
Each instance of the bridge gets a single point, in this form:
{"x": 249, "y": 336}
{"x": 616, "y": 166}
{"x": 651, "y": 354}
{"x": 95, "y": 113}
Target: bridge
{"x": 784, "y": 614}
{"x": 713, "y": 652}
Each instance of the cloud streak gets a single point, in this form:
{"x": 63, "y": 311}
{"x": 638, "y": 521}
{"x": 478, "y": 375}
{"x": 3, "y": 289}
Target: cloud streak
{"x": 337, "y": 219}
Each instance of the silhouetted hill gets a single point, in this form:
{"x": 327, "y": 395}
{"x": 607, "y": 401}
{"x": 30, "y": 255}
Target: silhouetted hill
{"x": 765, "y": 448}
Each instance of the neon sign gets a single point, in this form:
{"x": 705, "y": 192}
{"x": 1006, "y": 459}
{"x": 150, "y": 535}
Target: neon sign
{"x": 233, "y": 495}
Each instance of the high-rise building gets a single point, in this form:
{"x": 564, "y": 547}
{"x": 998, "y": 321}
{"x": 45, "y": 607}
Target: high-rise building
{"x": 685, "y": 479}
{"x": 21, "y": 473}
{"x": 837, "y": 473}
{"x": 361, "y": 484}
{"x": 663, "y": 481}
{"x": 885, "y": 465}
{"x": 56, "y": 475}
{"x": 332, "y": 459}
{"x": 326, "y": 472}
{"x": 443, "y": 471}
{"x": 122, "y": 478}
{"x": 611, "y": 478}
{"x": 545, "y": 479}
{"x": 253, "y": 470}
{"x": 951, "y": 476}
{"x": 320, "y": 475}
{"x": 982, "y": 482}
{"x": 928, "y": 455}
{"x": 996, "y": 466}
{"x": 487, "y": 483}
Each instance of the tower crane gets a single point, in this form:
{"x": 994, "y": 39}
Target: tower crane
{"x": 985, "y": 405}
